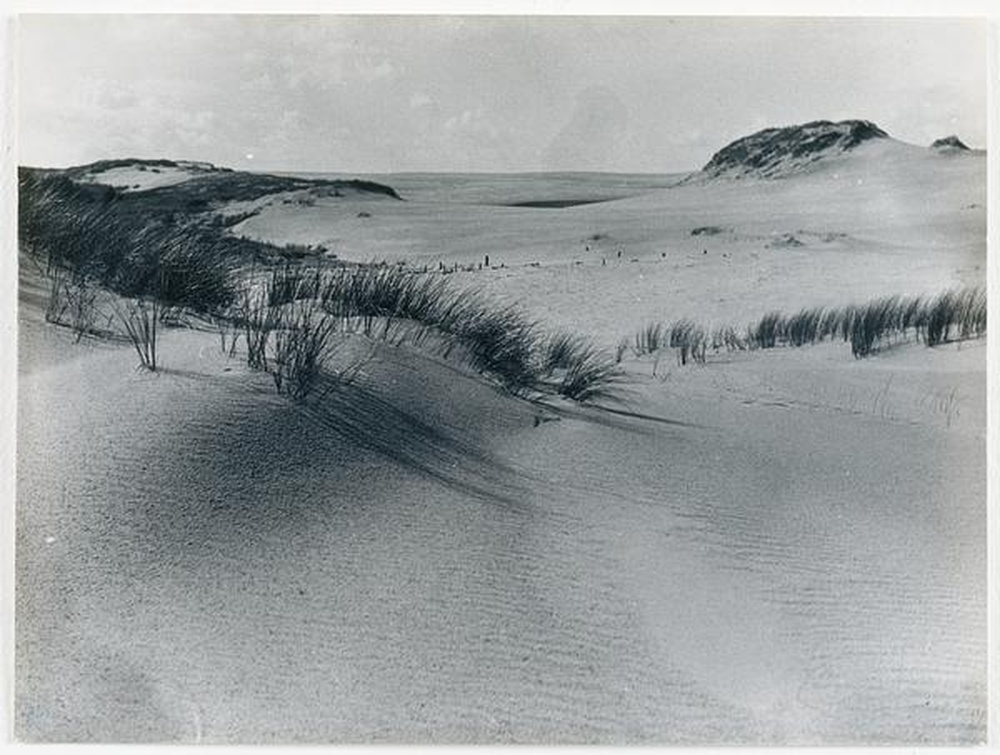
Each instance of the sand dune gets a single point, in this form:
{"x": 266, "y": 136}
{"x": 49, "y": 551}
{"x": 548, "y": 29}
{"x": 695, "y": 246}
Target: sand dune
{"x": 884, "y": 219}
{"x": 416, "y": 559}
{"x": 777, "y": 547}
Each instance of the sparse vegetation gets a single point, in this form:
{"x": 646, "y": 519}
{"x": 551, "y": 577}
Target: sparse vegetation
{"x": 561, "y": 351}
{"x": 291, "y": 283}
{"x": 72, "y": 302}
{"x": 953, "y": 315}
{"x": 302, "y": 344}
{"x": 651, "y": 339}
{"x": 689, "y": 340}
{"x": 295, "y": 317}
{"x": 590, "y": 375}
{"x": 257, "y": 321}
{"x": 139, "y": 317}
{"x": 728, "y": 338}
{"x": 767, "y": 331}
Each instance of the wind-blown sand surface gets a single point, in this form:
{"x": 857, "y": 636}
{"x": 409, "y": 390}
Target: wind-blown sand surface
{"x": 201, "y": 560}
{"x": 777, "y": 547}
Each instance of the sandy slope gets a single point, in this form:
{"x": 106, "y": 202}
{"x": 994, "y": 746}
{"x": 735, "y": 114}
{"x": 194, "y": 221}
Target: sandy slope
{"x": 201, "y": 560}
{"x": 141, "y": 177}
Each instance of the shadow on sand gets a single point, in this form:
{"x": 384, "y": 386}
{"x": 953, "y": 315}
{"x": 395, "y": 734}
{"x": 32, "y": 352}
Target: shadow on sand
{"x": 365, "y": 416}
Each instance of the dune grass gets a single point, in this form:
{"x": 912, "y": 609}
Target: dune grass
{"x": 292, "y": 319}
{"x": 728, "y": 338}
{"x": 73, "y": 301}
{"x": 257, "y": 320}
{"x": 689, "y": 341}
{"x": 139, "y": 317}
{"x": 591, "y": 375}
{"x": 650, "y": 339}
{"x": 957, "y": 314}
{"x": 302, "y": 345}
{"x": 500, "y": 341}
{"x": 153, "y": 259}
{"x": 290, "y": 283}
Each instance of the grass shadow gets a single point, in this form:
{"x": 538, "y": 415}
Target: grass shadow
{"x": 364, "y": 416}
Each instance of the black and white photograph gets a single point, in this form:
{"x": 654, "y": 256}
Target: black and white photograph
{"x": 506, "y": 378}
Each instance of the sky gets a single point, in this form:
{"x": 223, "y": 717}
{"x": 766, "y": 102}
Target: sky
{"x": 381, "y": 94}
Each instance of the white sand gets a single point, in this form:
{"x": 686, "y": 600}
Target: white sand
{"x": 139, "y": 177}
{"x": 796, "y": 556}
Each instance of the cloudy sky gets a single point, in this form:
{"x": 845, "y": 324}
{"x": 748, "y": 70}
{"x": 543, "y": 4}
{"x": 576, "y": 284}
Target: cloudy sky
{"x": 392, "y": 93}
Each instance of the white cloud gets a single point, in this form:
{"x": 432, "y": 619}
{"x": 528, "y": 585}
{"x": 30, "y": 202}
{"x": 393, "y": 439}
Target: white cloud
{"x": 430, "y": 93}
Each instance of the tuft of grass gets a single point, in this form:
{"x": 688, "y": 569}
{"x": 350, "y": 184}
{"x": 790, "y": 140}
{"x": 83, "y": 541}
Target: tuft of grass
{"x": 728, "y": 338}
{"x": 653, "y": 337}
{"x": 72, "y": 302}
{"x": 620, "y": 350}
{"x": 257, "y": 321}
{"x": 766, "y": 333}
{"x": 302, "y": 344}
{"x": 577, "y": 370}
{"x": 591, "y": 375}
{"x": 375, "y": 301}
{"x": 955, "y": 314}
{"x": 689, "y": 340}
{"x": 873, "y": 322}
{"x": 804, "y": 327}
{"x": 290, "y": 283}
{"x": 561, "y": 351}
{"x": 499, "y": 341}
{"x": 396, "y": 305}
{"x": 139, "y": 317}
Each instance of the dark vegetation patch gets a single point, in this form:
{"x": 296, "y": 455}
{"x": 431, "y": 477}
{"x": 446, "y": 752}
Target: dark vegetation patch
{"x": 102, "y": 166}
{"x": 949, "y": 143}
{"x": 558, "y": 204}
{"x": 219, "y": 188}
{"x": 785, "y": 241}
{"x": 771, "y": 151}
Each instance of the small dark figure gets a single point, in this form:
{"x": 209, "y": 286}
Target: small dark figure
{"x": 704, "y": 251}
{"x": 486, "y": 260}
{"x": 603, "y": 262}
{"x": 619, "y": 254}
{"x": 663, "y": 254}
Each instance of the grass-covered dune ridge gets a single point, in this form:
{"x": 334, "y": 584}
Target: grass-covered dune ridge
{"x": 389, "y": 304}
{"x": 96, "y": 248}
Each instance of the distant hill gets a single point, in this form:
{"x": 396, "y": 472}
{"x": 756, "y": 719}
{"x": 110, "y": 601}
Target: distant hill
{"x": 182, "y": 182}
{"x": 115, "y": 209}
{"x": 949, "y": 144}
{"x": 778, "y": 152}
